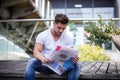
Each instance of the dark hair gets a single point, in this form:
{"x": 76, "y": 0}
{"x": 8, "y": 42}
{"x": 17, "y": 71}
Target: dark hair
{"x": 62, "y": 18}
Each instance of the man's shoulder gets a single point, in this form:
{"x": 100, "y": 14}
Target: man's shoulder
{"x": 42, "y": 36}
{"x": 66, "y": 35}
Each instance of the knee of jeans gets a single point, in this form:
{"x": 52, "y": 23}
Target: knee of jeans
{"x": 79, "y": 65}
{"x": 32, "y": 61}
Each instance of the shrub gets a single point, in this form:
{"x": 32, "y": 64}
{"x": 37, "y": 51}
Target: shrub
{"x": 91, "y": 53}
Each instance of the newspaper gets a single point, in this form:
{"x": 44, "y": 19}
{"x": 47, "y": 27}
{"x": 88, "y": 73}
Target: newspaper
{"x": 61, "y": 59}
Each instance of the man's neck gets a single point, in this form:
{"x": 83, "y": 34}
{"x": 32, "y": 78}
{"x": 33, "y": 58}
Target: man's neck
{"x": 55, "y": 36}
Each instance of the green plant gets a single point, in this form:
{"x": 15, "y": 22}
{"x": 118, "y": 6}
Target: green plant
{"x": 89, "y": 52}
{"x": 101, "y": 31}
{"x": 72, "y": 27}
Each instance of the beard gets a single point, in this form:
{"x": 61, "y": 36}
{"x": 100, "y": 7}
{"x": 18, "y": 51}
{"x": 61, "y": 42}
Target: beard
{"x": 57, "y": 33}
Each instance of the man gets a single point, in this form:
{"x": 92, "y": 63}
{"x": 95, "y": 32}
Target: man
{"x": 46, "y": 43}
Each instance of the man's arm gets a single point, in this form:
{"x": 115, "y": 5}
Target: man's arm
{"x": 37, "y": 53}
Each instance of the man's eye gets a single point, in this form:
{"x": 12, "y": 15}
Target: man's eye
{"x": 59, "y": 28}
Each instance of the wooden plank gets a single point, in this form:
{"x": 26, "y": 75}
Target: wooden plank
{"x": 100, "y": 77}
{"x": 12, "y": 66}
{"x": 118, "y": 67}
{"x": 13, "y": 69}
{"x": 103, "y": 68}
{"x": 95, "y": 68}
{"x": 85, "y": 68}
{"x": 112, "y": 69}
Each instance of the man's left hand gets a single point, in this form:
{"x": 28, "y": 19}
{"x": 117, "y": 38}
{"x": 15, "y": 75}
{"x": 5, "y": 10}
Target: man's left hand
{"x": 75, "y": 59}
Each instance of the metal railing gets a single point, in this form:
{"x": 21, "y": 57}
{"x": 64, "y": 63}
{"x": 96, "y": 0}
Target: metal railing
{"x": 71, "y": 19}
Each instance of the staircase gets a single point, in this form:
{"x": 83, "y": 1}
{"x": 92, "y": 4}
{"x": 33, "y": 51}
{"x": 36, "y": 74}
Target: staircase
{"x": 21, "y": 33}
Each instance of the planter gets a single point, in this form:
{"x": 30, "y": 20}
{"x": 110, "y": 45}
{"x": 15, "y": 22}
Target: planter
{"x": 116, "y": 41}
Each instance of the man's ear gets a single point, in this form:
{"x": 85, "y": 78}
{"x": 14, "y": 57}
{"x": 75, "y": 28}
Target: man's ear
{"x": 54, "y": 23}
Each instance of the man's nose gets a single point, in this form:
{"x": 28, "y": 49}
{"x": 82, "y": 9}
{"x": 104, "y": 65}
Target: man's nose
{"x": 61, "y": 30}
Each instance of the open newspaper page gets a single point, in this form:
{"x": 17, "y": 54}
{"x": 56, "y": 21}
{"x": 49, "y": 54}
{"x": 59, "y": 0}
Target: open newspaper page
{"x": 61, "y": 59}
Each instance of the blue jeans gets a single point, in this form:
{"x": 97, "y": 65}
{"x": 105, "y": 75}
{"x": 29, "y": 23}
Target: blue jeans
{"x": 36, "y": 65}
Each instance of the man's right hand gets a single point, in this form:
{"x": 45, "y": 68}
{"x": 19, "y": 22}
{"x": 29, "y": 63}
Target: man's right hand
{"x": 45, "y": 59}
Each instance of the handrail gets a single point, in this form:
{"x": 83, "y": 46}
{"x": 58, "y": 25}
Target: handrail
{"x": 36, "y": 25}
{"x": 71, "y": 19}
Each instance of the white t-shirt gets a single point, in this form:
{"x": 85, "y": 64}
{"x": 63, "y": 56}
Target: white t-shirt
{"x": 49, "y": 44}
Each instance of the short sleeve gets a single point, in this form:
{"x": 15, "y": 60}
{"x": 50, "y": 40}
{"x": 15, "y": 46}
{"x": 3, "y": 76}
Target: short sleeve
{"x": 41, "y": 37}
{"x": 68, "y": 40}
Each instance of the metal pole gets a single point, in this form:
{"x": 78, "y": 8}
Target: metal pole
{"x": 36, "y": 25}
{"x": 71, "y": 19}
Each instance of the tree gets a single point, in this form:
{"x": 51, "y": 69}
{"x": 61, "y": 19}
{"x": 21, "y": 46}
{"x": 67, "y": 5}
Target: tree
{"x": 101, "y": 31}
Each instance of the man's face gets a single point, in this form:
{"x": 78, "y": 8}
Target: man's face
{"x": 59, "y": 28}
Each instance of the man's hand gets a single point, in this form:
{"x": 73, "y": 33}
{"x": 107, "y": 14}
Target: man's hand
{"x": 75, "y": 59}
{"x": 45, "y": 60}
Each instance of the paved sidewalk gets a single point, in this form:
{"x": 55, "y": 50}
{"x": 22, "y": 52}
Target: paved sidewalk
{"x": 114, "y": 55}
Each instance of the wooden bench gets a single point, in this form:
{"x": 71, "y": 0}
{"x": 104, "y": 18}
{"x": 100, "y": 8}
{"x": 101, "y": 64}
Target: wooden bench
{"x": 14, "y": 70}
